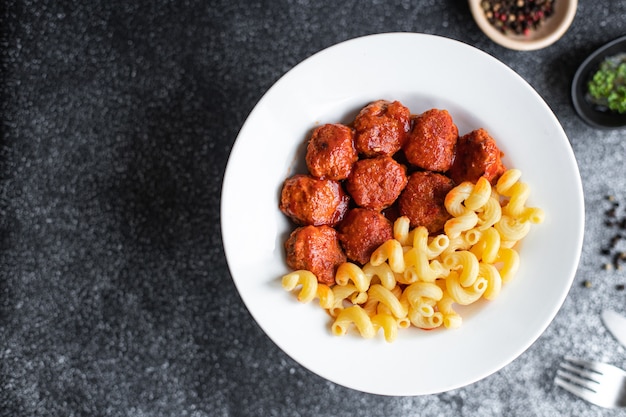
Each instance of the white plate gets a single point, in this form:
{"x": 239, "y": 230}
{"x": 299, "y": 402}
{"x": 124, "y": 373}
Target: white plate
{"x": 421, "y": 71}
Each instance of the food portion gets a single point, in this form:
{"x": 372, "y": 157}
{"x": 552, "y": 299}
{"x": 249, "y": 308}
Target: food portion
{"x": 432, "y": 142}
{"x": 381, "y": 128}
{"x": 362, "y": 231}
{"x": 330, "y": 152}
{"x": 312, "y": 201}
{"x": 315, "y": 249}
{"x": 477, "y": 155}
{"x": 422, "y": 201}
{"x": 607, "y": 87}
{"x": 376, "y": 183}
{"x": 396, "y": 229}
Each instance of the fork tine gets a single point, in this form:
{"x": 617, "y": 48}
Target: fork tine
{"x": 582, "y": 382}
{"x": 598, "y": 367}
{"x": 581, "y": 372}
{"x": 596, "y": 382}
{"x": 583, "y": 393}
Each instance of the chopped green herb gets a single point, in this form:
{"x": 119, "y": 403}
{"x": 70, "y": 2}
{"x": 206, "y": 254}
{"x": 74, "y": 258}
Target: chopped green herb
{"x": 608, "y": 84}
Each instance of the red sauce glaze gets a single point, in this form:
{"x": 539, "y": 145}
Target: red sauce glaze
{"x": 361, "y": 232}
{"x": 376, "y": 183}
{"x": 477, "y": 155}
{"x": 316, "y": 249}
{"x": 432, "y": 141}
{"x": 312, "y": 201}
{"x": 382, "y": 128}
{"x": 422, "y": 201}
{"x": 330, "y": 152}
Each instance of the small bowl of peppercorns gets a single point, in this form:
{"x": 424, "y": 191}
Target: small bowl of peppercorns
{"x": 524, "y": 25}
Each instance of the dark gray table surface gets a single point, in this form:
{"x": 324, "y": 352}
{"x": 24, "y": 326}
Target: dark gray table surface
{"x": 117, "y": 122}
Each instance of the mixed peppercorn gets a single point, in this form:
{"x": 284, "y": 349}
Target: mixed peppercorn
{"x": 518, "y": 17}
{"x": 615, "y": 219}
{"x": 614, "y": 251}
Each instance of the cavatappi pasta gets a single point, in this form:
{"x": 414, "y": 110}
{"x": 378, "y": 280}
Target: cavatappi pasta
{"x": 416, "y": 279}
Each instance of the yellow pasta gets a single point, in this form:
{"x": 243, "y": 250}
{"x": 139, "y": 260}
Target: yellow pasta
{"x": 417, "y": 263}
{"x": 533, "y": 215}
{"x": 422, "y": 297}
{"x": 307, "y": 279}
{"x": 456, "y": 244}
{"x": 437, "y": 245}
{"x": 489, "y": 213}
{"x": 451, "y": 319}
{"x": 479, "y": 196}
{"x": 467, "y": 262}
{"x": 348, "y": 271}
{"x": 486, "y": 249}
{"x": 353, "y": 315}
{"x": 433, "y": 247}
{"x": 511, "y": 228}
{"x": 390, "y": 251}
{"x": 518, "y": 194}
{"x": 456, "y": 225}
{"x": 389, "y": 325}
{"x": 455, "y": 198}
{"x": 509, "y": 258}
{"x": 506, "y": 181}
{"x": 423, "y": 322}
{"x": 416, "y": 279}
{"x": 494, "y": 281}
{"x": 465, "y": 295}
{"x": 382, "y": 295}
{"x": 383, "y": 272}
{"x": 401, "y": 230}
{"x": 343, "y": 294}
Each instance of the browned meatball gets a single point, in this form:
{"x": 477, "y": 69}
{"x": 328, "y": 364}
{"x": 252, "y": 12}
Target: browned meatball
{"x": 330, "y": 152}
{"x": 312, "y": 201}
{"x": 316, "y": 249}
{"x": 382, "y": 128}
{"x": 477, "y": 155}
{"x": 431, "y": 142}
{"x": 377, "y": 182}
{"x": 422, "y": 200}
{"x": 361, "y": 232}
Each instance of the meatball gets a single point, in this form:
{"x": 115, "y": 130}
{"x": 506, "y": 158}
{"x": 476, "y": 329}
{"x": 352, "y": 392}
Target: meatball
{"x": 422, "y": 200}
{"x": 382, "y": 128}
{"x": 330, "y": 152}
{"x": 477, "y": 155}
{"x": 432, "y": 140}
{"x": 376, "y": 183}
{"x": 361, "y": 232}
{"x": 316, "y": 249}
{"x": 312, "y": 201}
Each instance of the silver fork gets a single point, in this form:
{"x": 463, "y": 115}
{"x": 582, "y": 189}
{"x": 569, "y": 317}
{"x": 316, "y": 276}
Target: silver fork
{"x": 599, "y": 383}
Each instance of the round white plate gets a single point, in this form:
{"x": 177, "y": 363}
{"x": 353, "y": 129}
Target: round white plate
{"x": 423, "y": 72}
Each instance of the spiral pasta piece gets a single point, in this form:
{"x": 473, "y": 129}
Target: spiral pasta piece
{"x": 390, "y": 251}
{"x": 384, "y": 296}
{"x": 353, "y": 315}
{"x": 348, "y": 271}
{"x": 451, "y": 319}
{"x": 383, "y": 272}
{"x": 465, "y": 295}
{"x": 467, "y": 262}
{"x": 422, "y": 322}
{"x": 306, "y": 279}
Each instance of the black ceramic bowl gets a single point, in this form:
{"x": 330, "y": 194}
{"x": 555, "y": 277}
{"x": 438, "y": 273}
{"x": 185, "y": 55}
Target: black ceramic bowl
{"x": 590, "y": 112}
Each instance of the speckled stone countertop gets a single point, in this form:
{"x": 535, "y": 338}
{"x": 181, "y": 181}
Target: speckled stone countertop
{"x": 117, "y": 122}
